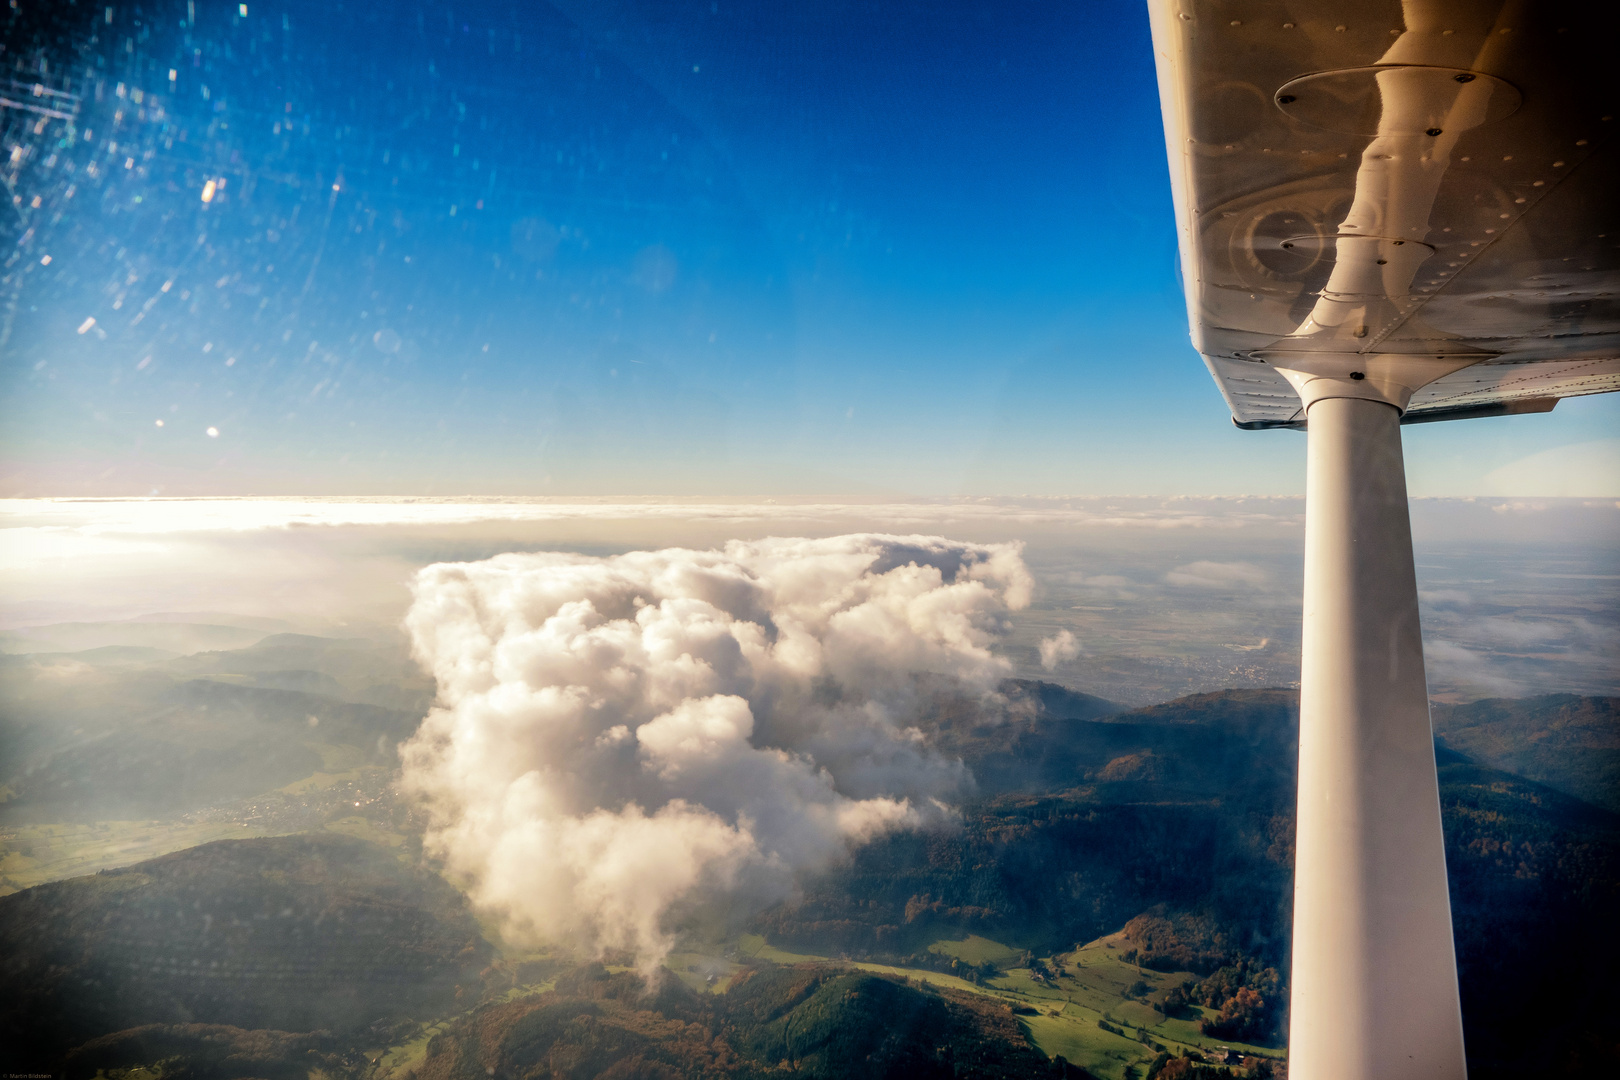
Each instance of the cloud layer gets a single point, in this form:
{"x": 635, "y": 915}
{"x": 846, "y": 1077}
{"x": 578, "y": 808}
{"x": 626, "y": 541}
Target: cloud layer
{"x": 621, "y": 743}
{"x": 235, "y": 514}
{"x": 1218, "y": 575}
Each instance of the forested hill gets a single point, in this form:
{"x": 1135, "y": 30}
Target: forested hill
{"x": 293, "y": 933}
{"x": 1187, "y": 807}
{"x": 1047, "y": 739}
{"x": 1567, "y": 742}
{"x": 275, "y": 957}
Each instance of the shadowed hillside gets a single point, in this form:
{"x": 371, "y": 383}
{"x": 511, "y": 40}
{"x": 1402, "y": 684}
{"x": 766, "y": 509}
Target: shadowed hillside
{"x": 292, "y": 933}
{"x": 1535, "y": 883}
{"x": 818, "y": 1023}
{"x": 1567, "y": 742}
{"x": 211, "y": 1052}
{"x": 1186, "y": 809}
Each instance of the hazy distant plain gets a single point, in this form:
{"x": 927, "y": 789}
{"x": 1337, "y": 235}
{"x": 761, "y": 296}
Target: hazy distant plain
{"x": 1162, "y": 596}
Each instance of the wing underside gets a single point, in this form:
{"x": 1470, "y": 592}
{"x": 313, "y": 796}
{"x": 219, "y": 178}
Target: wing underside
{"x": 1432, "y": 179}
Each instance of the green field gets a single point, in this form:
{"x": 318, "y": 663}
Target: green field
{"x": 405, "y": 1056}
{"x": 706, "y": 971}
{"x": 976, "y": 950}
{"x": 754, "y": 945}
{"x": 1064, "y": 1011}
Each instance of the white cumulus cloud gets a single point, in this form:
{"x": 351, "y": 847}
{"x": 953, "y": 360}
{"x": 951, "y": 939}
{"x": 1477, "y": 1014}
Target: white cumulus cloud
{"x": 621, "y": 742}
{"x": 1058, "y": 648}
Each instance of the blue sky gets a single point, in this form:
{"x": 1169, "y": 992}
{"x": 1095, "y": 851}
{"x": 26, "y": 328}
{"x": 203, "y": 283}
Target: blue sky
{"x": 698, "y": 248}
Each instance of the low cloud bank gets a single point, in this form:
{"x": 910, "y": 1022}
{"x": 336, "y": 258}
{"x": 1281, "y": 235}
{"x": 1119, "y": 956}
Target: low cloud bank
{"x": 1218, "y": 575}
{"x": 624, "y": 743}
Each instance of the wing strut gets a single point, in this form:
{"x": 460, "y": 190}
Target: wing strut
{"x": 1374, "y": 975}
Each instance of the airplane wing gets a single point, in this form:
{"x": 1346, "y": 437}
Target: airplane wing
{"x": 1432, "y": 179}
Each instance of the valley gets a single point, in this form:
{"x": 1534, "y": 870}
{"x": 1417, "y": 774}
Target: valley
{"x": 1111, "y": 901}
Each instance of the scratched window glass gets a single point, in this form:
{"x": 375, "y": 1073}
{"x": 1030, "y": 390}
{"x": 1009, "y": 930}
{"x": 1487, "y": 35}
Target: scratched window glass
{"x": 284, "y": 213}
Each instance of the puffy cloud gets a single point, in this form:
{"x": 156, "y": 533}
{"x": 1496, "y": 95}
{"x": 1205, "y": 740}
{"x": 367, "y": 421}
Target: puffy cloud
{"x": 1445, "y": 599}
{"x": 620, "y": 742}
{"x": 1448, "y": 661}
{"x": 1058, "y": 648}
{"x": 1218, "y": 575}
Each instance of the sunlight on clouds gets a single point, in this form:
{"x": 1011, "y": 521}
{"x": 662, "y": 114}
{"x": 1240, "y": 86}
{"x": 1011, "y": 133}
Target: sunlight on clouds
{"x": 618, "y": 739}
{"x": 1057, "y": 649}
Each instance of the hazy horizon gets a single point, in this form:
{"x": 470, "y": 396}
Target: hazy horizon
{"x": 1518, "y": 594}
